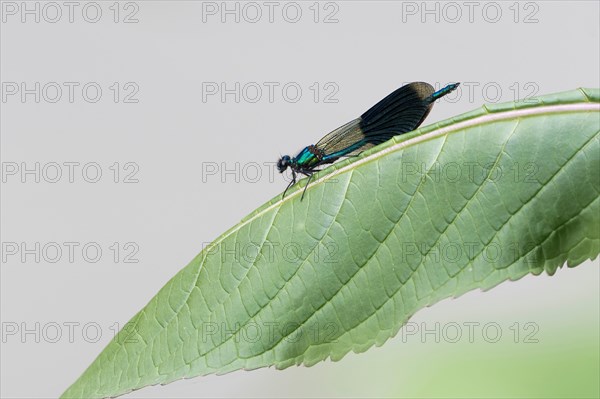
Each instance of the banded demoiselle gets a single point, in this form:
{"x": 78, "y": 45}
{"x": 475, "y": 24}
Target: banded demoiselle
{"x": 402, "y": 111}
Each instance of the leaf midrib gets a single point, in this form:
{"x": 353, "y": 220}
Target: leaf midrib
{"x": 476, "y": 121}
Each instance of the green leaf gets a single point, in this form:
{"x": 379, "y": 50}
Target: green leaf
{"x": 470, "y": 202}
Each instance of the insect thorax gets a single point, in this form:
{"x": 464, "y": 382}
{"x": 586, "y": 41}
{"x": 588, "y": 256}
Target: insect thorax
{"x": 316, "y": 151}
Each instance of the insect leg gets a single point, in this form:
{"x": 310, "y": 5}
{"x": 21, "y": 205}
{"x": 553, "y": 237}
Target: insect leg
{"x": 290, "y": 185}
{"x": 308, "y": 173}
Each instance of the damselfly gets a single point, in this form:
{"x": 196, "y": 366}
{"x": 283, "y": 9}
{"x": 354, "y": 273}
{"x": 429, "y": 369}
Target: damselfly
{"x": 400, "y": 112}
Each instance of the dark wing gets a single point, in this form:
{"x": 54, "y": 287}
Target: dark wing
{"x": 400, "y": 112}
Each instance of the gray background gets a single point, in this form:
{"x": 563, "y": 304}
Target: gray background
{"x": 172, "y": 135}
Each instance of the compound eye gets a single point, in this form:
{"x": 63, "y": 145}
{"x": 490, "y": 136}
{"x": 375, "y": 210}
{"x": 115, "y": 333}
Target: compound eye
{"x": 281, "y": 165}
